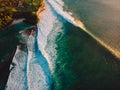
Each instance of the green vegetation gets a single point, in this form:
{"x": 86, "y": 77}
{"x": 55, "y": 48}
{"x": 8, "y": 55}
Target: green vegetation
{"x": 10, "y": 10}
{"x": 10, "y": 37}
{"x": 6, "y": 16}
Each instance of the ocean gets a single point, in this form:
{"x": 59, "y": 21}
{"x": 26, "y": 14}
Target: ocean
{"x": 76, "y": 48}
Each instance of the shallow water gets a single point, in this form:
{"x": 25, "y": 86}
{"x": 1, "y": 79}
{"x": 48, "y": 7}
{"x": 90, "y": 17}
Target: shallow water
{"x": 101, "y": 18}
{"x": 75, "y": 60}
{"x": 82, "y": 63}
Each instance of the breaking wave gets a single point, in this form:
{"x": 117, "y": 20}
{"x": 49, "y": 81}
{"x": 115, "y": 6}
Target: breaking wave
{"x": 31, "y": 69}
{"x": 59, "y": 10}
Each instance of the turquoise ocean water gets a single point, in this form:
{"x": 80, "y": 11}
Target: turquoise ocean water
{"x": 67, "y": 57}
{"x": 82, "y": 63}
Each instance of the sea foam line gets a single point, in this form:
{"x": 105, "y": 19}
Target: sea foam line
{"x": 38, "y": 73}
{"x": 45, "y": 27}
{"x": 59, "y": 10}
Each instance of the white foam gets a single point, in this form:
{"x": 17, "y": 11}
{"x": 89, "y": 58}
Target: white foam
{"x": 16, "y": 78}
{"x": 27, "y": 74}
{"x": 35, "y": 74}
{"x": 45, "y": 27}
{"x": 80, "y": 24}
{"x": 66, "y": 15}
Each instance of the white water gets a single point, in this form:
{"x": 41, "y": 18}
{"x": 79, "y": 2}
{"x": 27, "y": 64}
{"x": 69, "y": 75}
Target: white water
{"x": 28, "y": 72}
{"x": 36, "y": 77}
{"x": 59, "y": 10}
{"x": 31, "y": 71}
{"x": 17, "y": 75}
{"x": 48, "y": 29}
{"x": 66, "y": 15}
